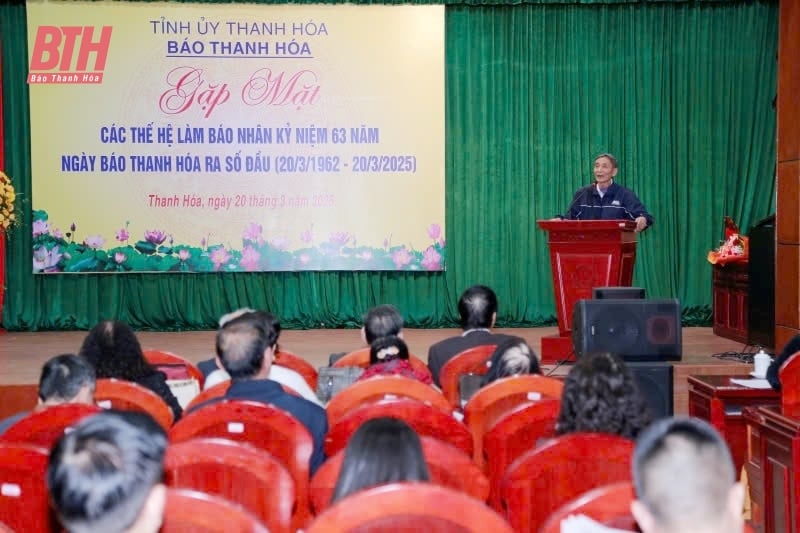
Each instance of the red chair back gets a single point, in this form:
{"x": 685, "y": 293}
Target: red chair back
{"x": 263, "y": 426}
{"x": 113, "y": 393}
{"x": 360, "y": 358}
{"x": 198, "y": 512}
{"x": 219, "y": 390}
{"x": 609, "y": 504}
{"x": 409, "y": 507}
{"x": 299, "y": 365}
{"x": 471, "y": 361}
{"x": 423, "y": 418}
{"x": 43, "y": 428}
{"x": 174, "y": 366}
{"x": 24, "y": 502}
{"x": 545, "y": 478}
{"x": 448, "y": 467}
{"x": 789, "y": 376}
{"x": 514, "y": 434}
{"x": 500, "y": 397}
{"x": 380, "y": 388}
{"x": 235, "y": 471}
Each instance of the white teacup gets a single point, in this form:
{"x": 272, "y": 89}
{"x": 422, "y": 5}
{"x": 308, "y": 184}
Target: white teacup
{"x": 761, "y": 362}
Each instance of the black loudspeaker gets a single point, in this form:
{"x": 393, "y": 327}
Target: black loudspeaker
{"x": 761, "y": 284}
{"x": 655, "y": 383}
{"x": 628, "y": 293}
{"x": 636, "y": 330}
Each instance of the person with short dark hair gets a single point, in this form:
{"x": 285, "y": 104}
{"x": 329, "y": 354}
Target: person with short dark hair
{"x": 281, "y": 374}
{"x": 246, "y": 347}
{"x": 382, "y": 321}
{"x": 513, "y": 357}
{"x": 112, "y": 348}
{"x": 106, "y": 474}
{"x": 606, "y": 200}
{"x": 600, "y": 395}
{"x": 477, "y": 309}
{"x": 65, "y": 378}
{"x": 388, "y": 356}
{"x": 381, "y": 451}
{"x": 685, "y": 480}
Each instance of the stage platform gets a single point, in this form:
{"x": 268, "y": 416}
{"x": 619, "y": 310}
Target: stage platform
{"x": 22, "y": 354}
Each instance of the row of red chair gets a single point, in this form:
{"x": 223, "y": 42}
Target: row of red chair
{"x": 472, "y": 360}
{"x": 535, "y": 487}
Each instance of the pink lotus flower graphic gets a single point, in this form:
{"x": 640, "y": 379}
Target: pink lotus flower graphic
{"x": 339, "y": 238}
{"x": 253, "y": 233}
{"x": 94, "y": 241}
{"x": 120, "y": 258}
{"x": 401, "y": 257}
{"x": 434, "y": 231}
{"x": 250, "y": 259}
{"x": 155, "y": 236}
{"x": 40, "y": 227}
{"x": 122, "y": 235}
{"x": 219, "y": 257}
{"x": 184, "y": 254}
{"x": 431, "y": 259}
{"x": 45, "y": 260}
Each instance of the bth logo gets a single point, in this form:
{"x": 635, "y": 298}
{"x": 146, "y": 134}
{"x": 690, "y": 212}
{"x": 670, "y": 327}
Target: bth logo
{"x": 61, "y": 54}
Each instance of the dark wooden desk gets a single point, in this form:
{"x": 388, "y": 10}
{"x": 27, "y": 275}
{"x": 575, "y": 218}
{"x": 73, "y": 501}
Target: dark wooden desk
{"x": 720, "y": 402}
{"x": 731, "y": 288}
{"x": 775, "y": 461}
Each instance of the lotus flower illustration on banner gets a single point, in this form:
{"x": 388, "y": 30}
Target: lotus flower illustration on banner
{"x": 156, "y": 251}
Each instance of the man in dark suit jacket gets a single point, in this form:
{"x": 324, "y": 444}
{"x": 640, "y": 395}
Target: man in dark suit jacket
{"x": 246, "y": 346}
{"x": 478, "y": 310}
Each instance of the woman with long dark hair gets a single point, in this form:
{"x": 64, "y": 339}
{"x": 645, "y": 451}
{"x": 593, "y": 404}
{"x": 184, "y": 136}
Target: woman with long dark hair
{"x": 381, "y": 451}
{"x": 112, "y": 348}
{"x": 600, "y": 395}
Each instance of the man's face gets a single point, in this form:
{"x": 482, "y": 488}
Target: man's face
{"x": 604, "y": 171}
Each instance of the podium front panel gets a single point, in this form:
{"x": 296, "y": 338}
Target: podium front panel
{"x": 577, "y": 271}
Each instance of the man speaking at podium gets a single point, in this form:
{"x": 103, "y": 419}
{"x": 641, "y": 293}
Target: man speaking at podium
{"x": 606, "y": 200}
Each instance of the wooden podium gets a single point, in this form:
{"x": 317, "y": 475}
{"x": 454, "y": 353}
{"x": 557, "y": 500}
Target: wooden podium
{"x": 584, "y": 254}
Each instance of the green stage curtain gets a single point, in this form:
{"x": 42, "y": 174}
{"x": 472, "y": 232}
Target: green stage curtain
{"x": 681, "y": 92}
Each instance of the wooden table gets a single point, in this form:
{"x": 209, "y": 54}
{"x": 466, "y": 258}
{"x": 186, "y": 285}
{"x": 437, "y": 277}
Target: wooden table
{"x": 775, "y": 465}
{"x": 720, "y": 401}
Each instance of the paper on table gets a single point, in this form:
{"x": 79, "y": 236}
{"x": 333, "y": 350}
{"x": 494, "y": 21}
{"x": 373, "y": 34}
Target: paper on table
{"x": 754, "y": 383}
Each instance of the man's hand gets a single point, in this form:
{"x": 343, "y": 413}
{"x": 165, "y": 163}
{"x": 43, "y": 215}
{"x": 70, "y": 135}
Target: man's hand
{"x": 641, "y": 224}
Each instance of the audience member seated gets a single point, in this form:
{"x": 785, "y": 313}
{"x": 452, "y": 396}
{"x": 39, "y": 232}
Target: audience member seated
{"x": 478, "y": 311}
{"x": 388, "y": 356}
{"x": 380, "y": 321}
{"x": 281, "y": 374}
{"x": 64, "y": 379}
{"x": 791, "y": 347}
{"x": 381, "y": 451}
{"x": 685, "y": 480}
{"x": 512, "y": 357}
{"x": 246, "y": 347}
{"x": 112, "y": 348}
{"x": 106, "y": 474}
{"x": 600, "y": 395}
